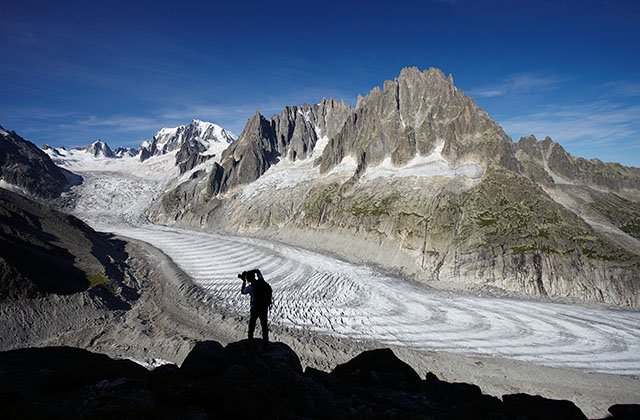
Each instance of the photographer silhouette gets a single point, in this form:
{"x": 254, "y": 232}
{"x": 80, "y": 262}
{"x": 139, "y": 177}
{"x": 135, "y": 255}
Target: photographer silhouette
{"x": 260, "y": 292}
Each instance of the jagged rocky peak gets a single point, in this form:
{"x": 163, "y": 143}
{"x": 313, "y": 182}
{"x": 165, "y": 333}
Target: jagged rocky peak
{"x": 411, "y": 116}
{"x": 198, "y": 135}
{"x": 293, "y": 134}
{"x": 121, "y": 152}
{"x": 100, "y": 148}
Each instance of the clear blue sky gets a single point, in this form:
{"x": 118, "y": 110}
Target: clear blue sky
{"x": 75, "y": 71}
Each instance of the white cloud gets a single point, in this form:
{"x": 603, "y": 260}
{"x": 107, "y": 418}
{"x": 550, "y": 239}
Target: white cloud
{"x": 517, "y": 84}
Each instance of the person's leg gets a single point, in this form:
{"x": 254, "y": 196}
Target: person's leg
{"x": 252, "y": 322}
{"x": 264, "y": 326}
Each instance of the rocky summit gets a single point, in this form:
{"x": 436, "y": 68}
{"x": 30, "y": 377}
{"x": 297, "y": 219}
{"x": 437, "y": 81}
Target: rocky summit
{"x": 191, "y": 139}
{"x": 418, "y": 179}
{"x": 100, "y": 148}
{"x": 243, "y": 381}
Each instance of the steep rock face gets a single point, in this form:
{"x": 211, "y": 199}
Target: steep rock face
{"x": 410, "y": 116}
{"x": 248, "y": 158}
{"x": 529, "y": 218}
{"x": 502, "y": 231}
{"x": 100, "y": 148}
{"x": 24, "y": 165}
{"x": 292, "y": 134}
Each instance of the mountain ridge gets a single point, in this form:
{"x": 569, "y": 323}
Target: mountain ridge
{"x": 27, "y": 169}
{"x": 463, "y": 219}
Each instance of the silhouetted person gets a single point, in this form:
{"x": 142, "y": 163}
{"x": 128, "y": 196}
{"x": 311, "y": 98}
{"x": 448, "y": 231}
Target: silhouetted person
{"x": 260, "y": 293}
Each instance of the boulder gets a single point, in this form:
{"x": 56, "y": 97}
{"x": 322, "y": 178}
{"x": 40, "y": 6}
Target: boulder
{"x": 378, "y": 367}
{"x": 535, "y": 407}
{"x": 205, "y": 359}
{"x": 625, "y": 411}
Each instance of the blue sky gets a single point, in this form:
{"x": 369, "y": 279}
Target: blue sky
{"x": 75, "y": 71}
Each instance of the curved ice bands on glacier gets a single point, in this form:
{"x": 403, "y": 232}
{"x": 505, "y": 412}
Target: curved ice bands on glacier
{"x": 320, "y": 293}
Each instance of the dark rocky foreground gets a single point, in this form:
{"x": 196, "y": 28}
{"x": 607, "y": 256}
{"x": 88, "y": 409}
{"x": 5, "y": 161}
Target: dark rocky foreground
{"x": 242, "y": 380}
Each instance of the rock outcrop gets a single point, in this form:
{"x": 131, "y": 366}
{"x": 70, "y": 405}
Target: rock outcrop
{"x": 29, "y": 170}
{"x": 243, "y": 381}
{"x": 411, "y": 116}
{"x": 292, "y": 134}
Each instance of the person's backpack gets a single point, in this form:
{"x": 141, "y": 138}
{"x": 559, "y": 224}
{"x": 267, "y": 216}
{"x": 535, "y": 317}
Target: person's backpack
{"x": 263, "y": 293}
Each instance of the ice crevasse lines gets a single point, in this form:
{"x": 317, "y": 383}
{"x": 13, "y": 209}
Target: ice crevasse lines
{"x": 321, "y": 293}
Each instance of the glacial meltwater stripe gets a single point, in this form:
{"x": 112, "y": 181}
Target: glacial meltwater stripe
{"x": 320, "y": 293}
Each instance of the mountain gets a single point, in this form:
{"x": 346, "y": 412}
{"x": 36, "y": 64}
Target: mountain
{"x": 198, "y": 137}
{"x": 100, "y": 149}
{"x": 292, "y": 135}
{"x": 27, "y": 169}
{"x": 192, "y": 145}
{"x": 417, "y": 178}
{"x": 45, "y": 251}
{"x": 126, "y": 151}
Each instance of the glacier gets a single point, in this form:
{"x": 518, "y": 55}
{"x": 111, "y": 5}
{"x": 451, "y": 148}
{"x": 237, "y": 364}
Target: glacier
{"x": 320, "y": 293}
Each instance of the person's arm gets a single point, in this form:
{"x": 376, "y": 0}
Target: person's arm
{"x": 253, "y": 273}
{"x": 243, "y": 290}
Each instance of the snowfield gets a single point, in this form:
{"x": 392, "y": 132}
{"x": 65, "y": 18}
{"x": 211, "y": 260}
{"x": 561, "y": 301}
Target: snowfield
{"x": 320, "y": 293}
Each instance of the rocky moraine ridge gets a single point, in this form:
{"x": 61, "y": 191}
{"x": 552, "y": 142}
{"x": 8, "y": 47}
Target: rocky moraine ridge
{"x": 417, "y": 178}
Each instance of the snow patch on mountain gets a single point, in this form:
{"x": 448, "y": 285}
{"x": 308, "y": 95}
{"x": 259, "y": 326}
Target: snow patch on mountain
{"x": 287, "y": 173}
{"x": 424, "y": 166}
{"x": 14, "y": 188}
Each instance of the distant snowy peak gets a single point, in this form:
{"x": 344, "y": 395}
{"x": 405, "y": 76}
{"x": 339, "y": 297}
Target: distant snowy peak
{"x": 100, "y": 148}
{"x": 201, "y": 136}
{"x": 3, "y": 132}
{"x": 121, "y": 152}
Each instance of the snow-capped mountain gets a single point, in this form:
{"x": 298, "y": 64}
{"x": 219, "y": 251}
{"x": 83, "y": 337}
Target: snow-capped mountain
{"x": 121, "y": 185}
{"x": 126, "y": 151}
{"x": 100, "y": 148}
{"x": 185, "y": 147}
{"x": 196, "y": 137}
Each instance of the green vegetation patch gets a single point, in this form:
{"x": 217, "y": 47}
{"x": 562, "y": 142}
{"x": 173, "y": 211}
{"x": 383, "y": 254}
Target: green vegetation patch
{"x": 96, "y": 279}
{"x": 373, "y": 206}
{"x": 508, "y": 210}
{"x": 622, "y": 213}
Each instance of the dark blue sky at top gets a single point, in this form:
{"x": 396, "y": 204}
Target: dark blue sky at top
{"x": 72, "y": 72}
